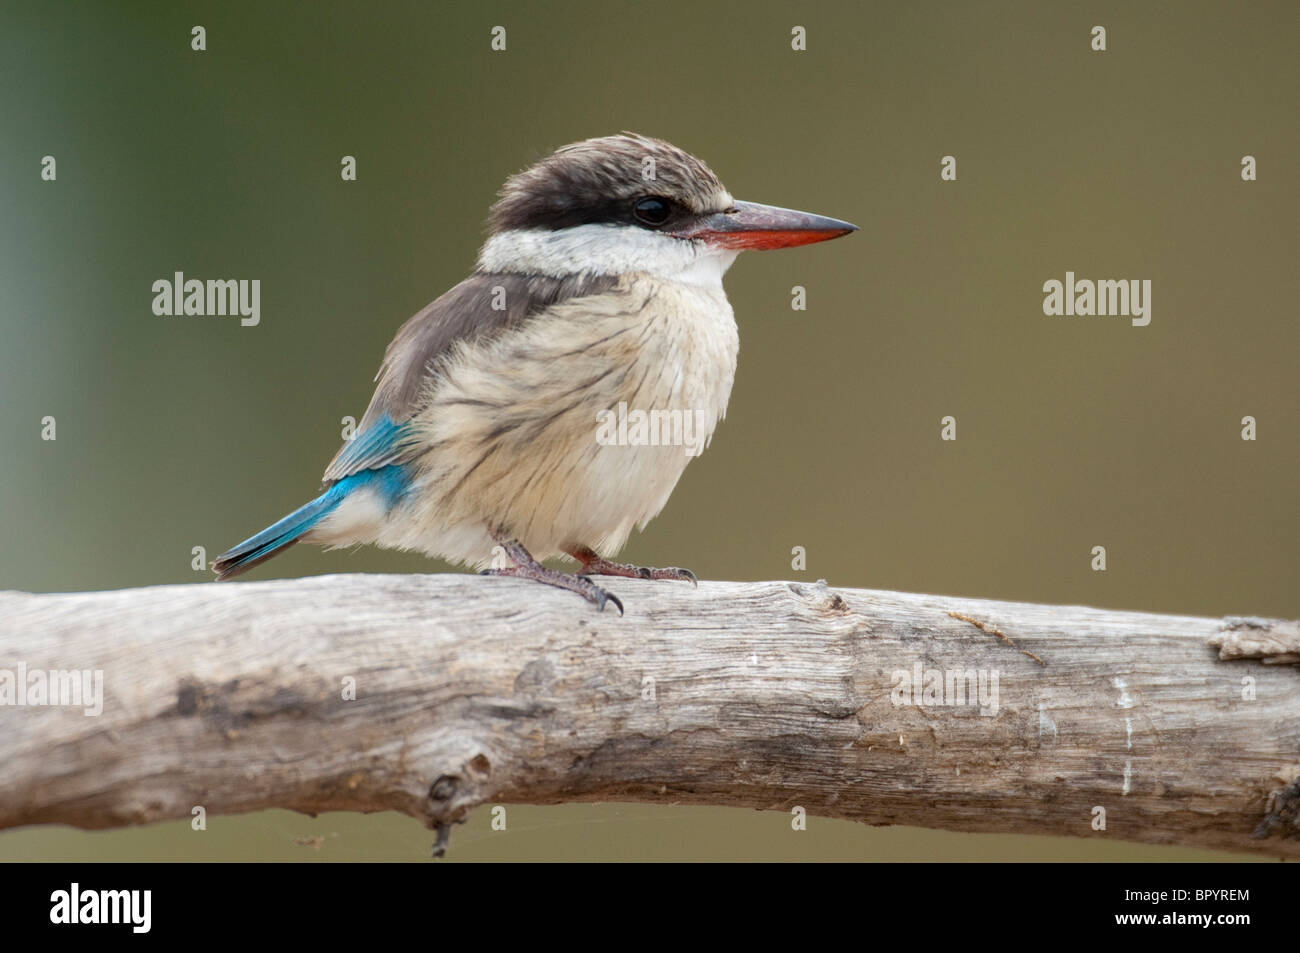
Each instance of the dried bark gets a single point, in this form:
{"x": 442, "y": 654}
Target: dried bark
{"x": 770, "y": 695}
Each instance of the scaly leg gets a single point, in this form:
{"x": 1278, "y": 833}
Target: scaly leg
{"x": 597, "y": 565}
{"x": 526, "y": 567}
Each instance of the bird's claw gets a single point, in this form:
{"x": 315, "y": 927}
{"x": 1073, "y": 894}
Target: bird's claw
{"x": 598, "y": 596}
{"x": 581, "y": 585}
{"x": 685, "y": 575}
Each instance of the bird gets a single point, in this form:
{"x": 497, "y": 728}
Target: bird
{"x": 509, "y": 419}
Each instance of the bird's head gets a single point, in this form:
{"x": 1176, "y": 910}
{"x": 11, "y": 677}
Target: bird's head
{"x": 629, "y": 203}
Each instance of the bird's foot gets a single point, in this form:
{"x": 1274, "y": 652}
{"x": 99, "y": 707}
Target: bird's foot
{"x": 526, "y": 567}
{"x": 597, "y": 565}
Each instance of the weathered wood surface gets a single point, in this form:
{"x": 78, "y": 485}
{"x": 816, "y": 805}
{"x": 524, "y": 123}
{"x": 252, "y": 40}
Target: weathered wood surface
{"x": 771, "y": 695}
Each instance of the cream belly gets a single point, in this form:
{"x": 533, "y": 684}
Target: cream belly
{"x": 514, "y": 430}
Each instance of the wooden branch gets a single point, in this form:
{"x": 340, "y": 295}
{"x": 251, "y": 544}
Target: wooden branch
{"x": 771, "y": 695}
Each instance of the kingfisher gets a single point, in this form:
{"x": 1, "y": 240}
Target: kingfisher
{"x": 488, "y": 440}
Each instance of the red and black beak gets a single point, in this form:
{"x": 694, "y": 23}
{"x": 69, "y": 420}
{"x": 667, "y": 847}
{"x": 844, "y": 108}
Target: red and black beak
{"x": 750, "y": 225}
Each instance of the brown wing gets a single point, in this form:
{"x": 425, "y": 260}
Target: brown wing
{"x": 482, "y": 305}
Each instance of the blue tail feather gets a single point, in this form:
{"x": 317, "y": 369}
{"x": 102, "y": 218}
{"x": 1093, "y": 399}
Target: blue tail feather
{"x": 279, "y": 536}
{"x": 390, "y": 481}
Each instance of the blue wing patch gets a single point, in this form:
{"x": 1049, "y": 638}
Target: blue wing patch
{"x": 381, "y": 444}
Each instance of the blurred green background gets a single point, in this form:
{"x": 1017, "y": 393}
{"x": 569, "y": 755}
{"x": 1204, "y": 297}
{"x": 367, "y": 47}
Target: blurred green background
{"x": 1072, "y": 432}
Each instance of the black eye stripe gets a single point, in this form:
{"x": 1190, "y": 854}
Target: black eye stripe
{"x": 572, "y": 207}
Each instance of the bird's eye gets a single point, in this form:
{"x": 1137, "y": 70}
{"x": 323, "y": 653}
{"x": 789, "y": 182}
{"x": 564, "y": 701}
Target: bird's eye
{"x": 652, "y": 210}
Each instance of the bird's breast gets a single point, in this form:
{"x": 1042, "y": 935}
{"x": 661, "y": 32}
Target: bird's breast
{"x": 575, "y": 427}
